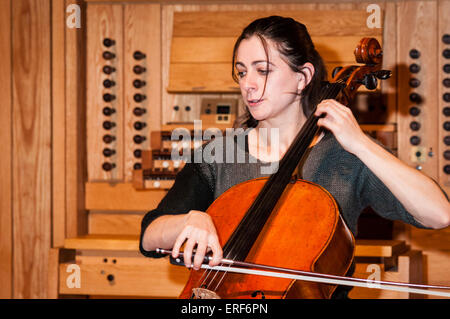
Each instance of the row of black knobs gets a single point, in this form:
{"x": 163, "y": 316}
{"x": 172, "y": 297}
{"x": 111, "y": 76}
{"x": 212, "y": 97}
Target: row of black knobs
{"x": 446, "y": 98}
{"x": 138, "y": 110}
{"x": 108, "y": 111}
{"x": 414, "y": 68}
{"x": 108, "y": 98}
{"x": 414, "y": 97}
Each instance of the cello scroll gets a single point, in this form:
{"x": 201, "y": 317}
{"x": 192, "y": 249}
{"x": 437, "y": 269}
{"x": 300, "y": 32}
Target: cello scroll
{"x": 369, "y": 53}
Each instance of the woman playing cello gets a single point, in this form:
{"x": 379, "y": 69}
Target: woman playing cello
{"x": 280, "y": 76}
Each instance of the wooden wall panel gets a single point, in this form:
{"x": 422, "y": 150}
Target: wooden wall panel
{"x": 169, "y": 114}
{"x": 202, "y": 39}
{"x": 219, "y": 49}
{"x": 121, "y": 197}
{"x": 418, "y": 26}
{"x": 58, "y": 123}
{"x": 115, "y": 223}
{"x": 189, "y": 31}
{"x": 347, "y": 22}
{"x": 412, "y": 18}
{"x": 133, "y": 276}
{"x": 6, "y": 158}
{"x": 435, "y": 245}
{"x": 142, "y": 32}
{"x": 104, "y": 21}
{"x": 442, "y": 29}
{"x": 31, "y": 146}
{"x": 75, "y": 126}
{"x": 389, "y": 86}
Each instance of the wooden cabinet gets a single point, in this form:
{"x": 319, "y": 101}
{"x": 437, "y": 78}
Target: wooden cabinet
{"x": 112, "y": 274}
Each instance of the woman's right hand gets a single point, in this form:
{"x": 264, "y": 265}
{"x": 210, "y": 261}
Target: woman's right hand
{"x": 199, "y": 233}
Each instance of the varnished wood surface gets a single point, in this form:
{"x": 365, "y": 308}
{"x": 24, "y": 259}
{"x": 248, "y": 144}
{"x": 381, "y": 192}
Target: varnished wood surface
{"x": 31, "y": 147}
{"x": 120, "y": 223}
{"x": 75, "y": 121}
{"x": 409, "y": 269}
{"x": 347, "y": 22}
{"x": 105, "y": 21}
{"x": 195, "y": 49}
{"x": 202, "y": 42}
{"x": 98, "y": 241}
{"x": 135, "y": 276}
{"x": 412, "y": 16}
{"x": 121, "y": 196}
{"x": 6, "y": 181}
{"x": 379, "y": 248}
{"x": 142, "y": 32}
{"x": 193, "y": 99}
{"x": 103, "y": 242}
{"x": 58, "y": 122}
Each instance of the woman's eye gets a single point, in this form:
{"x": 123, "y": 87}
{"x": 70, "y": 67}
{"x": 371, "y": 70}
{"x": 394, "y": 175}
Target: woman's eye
{"x": 264, "y": 71}
{"x": 241, "y": 74}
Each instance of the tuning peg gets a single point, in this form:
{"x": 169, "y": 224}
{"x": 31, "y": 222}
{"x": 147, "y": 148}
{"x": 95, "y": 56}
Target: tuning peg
{"x": 383, "y": 74}
{"x": 336, "y": 71}
{"x": 370, "y": 81}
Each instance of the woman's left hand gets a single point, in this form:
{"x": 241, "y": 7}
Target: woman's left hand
{"x": 340, "y": 121}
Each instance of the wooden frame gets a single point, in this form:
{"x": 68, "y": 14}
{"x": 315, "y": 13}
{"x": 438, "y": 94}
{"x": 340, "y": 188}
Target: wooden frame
{"x": 25, "y": 167}
{"x": 6, "y": 181}
{"x": 69, "y": 161}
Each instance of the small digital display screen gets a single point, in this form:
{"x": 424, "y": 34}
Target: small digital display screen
{"x": 223, "y": 109}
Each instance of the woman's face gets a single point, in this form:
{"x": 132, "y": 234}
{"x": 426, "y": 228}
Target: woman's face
{"x": 278, "y": 102}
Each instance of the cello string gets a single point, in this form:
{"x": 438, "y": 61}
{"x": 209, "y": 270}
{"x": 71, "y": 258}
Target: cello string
{"x": 221, "y": 279}
{"x": 211, "y": 280}
{"x": 224, "y": 273}
{"x": 205, "y": 277}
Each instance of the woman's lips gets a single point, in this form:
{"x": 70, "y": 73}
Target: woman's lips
{"x": 253, "y": 103}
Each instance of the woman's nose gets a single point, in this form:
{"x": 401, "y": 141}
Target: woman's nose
{"x": 250, "y": 82}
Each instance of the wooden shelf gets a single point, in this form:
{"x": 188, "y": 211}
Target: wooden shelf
{"x": 103, "y": 242}
{"x": 379, "y": 248}
{"x": 379, "y": 127}
{"x": 120, "y": 196}
{"x": 364, "y": 248}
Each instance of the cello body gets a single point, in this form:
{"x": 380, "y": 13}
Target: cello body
{"x": 305, "y": 231}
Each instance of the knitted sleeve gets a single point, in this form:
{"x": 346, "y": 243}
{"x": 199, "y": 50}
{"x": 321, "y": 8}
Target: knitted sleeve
{"x": 191, "y": 191}
{"x": 375, "y": 193}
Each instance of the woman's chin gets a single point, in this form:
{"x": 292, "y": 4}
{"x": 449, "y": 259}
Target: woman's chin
{"x": 258, "y": 117}
{"x": 257, "y": 113}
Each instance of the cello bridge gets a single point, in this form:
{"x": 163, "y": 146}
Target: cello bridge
{"x": 202, "y": 293}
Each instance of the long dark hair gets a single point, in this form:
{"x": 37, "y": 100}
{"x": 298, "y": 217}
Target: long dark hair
{"x": 294, "y": 43}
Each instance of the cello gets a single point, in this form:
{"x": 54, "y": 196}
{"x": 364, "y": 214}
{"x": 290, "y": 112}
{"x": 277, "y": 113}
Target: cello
{"x": 284, "y": 223}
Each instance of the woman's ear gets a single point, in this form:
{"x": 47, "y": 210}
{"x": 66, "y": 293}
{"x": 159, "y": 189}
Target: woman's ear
{"x": 306, "y": 74}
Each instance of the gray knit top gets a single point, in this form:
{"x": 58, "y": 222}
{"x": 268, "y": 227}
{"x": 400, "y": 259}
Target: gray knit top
{"x": 213, "y": 170}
